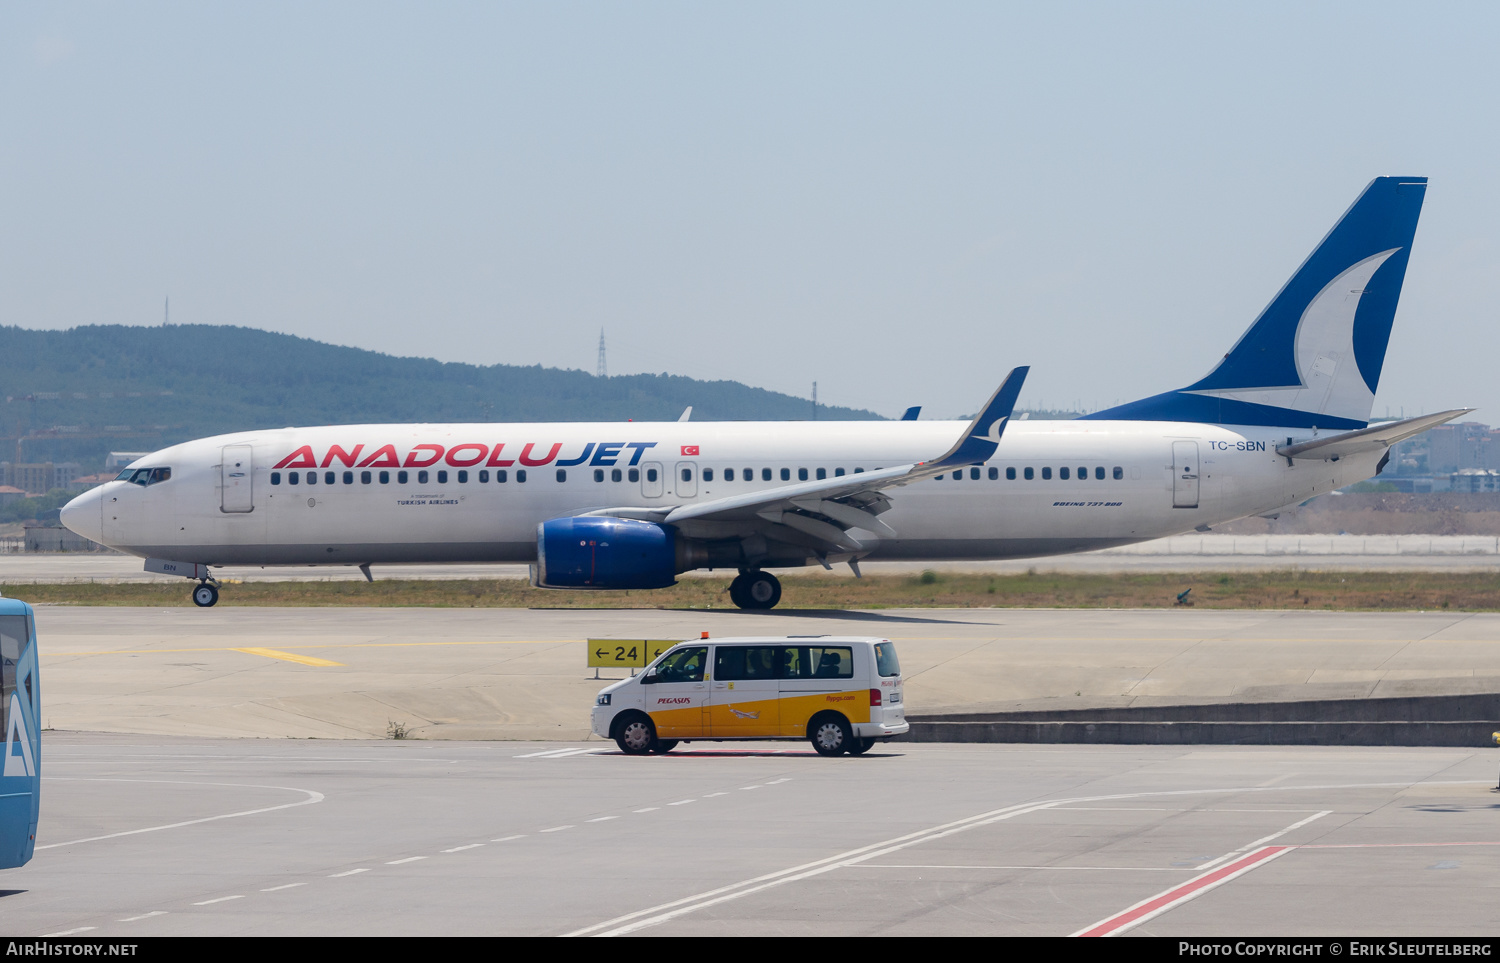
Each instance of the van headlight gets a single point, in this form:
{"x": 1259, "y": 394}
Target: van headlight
{"x": 603, "y": 699}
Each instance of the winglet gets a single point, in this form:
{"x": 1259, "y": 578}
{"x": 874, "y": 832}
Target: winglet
{"x": 983, "y": 436}
{"x": 912, "y": 413}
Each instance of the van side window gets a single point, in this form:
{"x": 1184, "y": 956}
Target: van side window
{"x": 817, "y": 662}
{"x": 886, "y": 663}
{"x": 684, "y": 665}
{"x": 732, "y": 662}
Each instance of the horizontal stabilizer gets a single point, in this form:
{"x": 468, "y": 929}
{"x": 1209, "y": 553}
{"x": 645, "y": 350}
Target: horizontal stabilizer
{"x": 1374, "y": 438}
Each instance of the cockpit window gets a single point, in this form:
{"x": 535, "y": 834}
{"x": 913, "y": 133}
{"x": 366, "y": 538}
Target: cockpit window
{"x": 144, "y": 476}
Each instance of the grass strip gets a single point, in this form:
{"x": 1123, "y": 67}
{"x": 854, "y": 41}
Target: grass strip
{"x": 1290, "y": 589}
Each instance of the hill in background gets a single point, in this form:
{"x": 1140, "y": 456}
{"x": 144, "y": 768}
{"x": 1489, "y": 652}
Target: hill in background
{"x": 75, "y": 395}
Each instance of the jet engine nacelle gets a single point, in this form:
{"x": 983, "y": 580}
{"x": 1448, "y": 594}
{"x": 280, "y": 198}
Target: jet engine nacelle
{"x": 595, "y": 552}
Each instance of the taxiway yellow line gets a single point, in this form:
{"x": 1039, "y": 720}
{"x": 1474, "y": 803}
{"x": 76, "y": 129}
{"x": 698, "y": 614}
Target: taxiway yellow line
{"x": 288, "y": 656}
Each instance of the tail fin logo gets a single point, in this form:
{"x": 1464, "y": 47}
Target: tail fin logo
{"x": 1331, "y": 381}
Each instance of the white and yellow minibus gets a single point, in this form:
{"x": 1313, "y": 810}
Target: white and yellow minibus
{"x": 840, "y": 693}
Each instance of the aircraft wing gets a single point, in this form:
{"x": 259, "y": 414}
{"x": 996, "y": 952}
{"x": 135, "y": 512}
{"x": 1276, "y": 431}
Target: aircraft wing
{"x": 1373, "y": 438}
{"x": 823, "y": 511}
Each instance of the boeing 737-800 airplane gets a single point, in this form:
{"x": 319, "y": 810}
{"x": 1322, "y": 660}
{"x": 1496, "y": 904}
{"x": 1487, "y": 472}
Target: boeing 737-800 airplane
{"x": 1284, "y": 416}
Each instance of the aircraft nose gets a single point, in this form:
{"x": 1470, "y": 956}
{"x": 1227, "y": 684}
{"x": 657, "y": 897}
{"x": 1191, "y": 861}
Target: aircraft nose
{"x": 84, "y": 515}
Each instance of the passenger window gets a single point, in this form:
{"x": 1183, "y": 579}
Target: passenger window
{"x": 421, "y": 478}
{"x": 634, "y": 475}
{"x": 365, "y": 478}
{"x": 463, "y": 478}
{"x": 765, "y": 474}
{"x": 1099, "y": 473}
{"x": 312, "y": 478}
{"x": 598, "y": 474}
{"x": 973, "y": 474}
{"x": 737, "y": 662}
{"x": 995, "y": 474}
{"x": 684, "y": 665}
{"x": 838, "y": 473}
{"x": 831, "y": 663}
{"x": 484, "y": 476}
{"x": 501, "y": 476}
{"x": 329, "y": 478}
{"x": 1119, "y": 473}
{"x": 348, "y": 478}
{"x": 1083, "y": 473}
{"x": 442, "y": 477}
{"x": 401, "y": 477}
{"x": 291, "y": 478}
{"x": 786, "y": 474}
{"x": 276, "y": 478}
{"x": 708, "y": 475}
{"x": 385, "y": 478}
{"x": 1046, "y": 473}
{"x": 1061, "y": 473}
{"x": 1010, "y": 474}
{"x": 858, "y": 471}
{"x": 520, "y": 476}
{"x": 562, "y": 474}
{"x": 748, "y": 474}
{"x": 729, "y": 474}
{"x": 822, "y": 473}
{"x": 1029, "y": 473}
{"x": 802, "y": 474}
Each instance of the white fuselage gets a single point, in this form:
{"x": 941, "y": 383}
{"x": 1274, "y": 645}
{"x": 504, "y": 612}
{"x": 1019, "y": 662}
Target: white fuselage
{"x": 231, "y": 499}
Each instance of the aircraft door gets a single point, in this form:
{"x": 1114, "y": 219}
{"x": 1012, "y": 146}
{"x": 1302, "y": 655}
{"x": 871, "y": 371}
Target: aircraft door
{"x": 686, "y": 482}
{"x": 1185, "y": 470}
{"x": 236, "y": 473}
{"x": 651, "y": 480}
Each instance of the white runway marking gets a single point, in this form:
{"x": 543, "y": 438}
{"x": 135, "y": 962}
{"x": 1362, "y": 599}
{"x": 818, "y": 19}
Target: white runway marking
{"x": 1127, "y": 869}
{"x": 459, "y": 849}
{"x": 273, "y": 889}
{"x": 506, "y": 839}
{"x": 601, "y": 819}
{"x": 682, "y": 802}
{"x": 560, "y": 753}
{"x": 221, "y": 899}
{"x": 143, "y": 916}
{"x": 312, "y": 799}
{"x": 351, "y": 872}
{"x": 556, "y": 829}
{"x": 655, "y": 915}
{"x": 73, "y": 932}
{"x": 648, "y": 809}
{"x": 409, "y": 859}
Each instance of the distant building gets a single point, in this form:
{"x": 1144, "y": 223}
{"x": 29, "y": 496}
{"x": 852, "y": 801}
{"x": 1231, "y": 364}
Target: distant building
{"x": 9, "y": 494}
{"x": 1475, "y": 480}
{"x": 54, "y": 538}
{"x": 85, "y": 482}
{"x": 119, "y": 459}
{"x": 38, "y": 478}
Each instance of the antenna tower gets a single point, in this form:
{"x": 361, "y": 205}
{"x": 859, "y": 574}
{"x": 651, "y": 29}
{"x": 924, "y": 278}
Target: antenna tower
{"x": 815, "y": 401}
{"x": 603, "y": 371}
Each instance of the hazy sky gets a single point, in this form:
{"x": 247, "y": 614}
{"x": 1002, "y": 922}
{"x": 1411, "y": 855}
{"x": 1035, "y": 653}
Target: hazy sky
{"x": 899, "y": 201}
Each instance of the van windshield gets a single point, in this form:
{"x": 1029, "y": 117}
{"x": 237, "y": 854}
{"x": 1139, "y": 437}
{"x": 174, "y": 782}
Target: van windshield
{"x": 886, "y": 662}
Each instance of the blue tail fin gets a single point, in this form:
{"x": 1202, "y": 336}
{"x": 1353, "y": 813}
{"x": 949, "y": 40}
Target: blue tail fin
{"x": 1313, "y": 357}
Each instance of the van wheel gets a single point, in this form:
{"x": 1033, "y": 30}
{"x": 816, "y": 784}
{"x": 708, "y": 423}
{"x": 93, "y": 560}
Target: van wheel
{"x": 830, "y": 734}
{"x": 860, "y": 746}
{"x": 636, "y": 735}
{"x": 665, "y": 745}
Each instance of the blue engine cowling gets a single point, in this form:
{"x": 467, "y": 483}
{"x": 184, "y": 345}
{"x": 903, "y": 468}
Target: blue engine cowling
{"x": 594, "y": 552}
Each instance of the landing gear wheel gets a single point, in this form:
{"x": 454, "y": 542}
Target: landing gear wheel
{"x": 737, "y": 592}
{"x": 636, "y": 735}
{"x": 665, "y": 745}
{"x": 760, "y": 590}
{"x": 830, "y": 735}
{"x": 205, "y": 595}
{"x": 860, "y": 746}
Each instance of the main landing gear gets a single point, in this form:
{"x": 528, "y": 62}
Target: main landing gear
{"x": 755, "y": 590}
{"x": 206, "y": 593}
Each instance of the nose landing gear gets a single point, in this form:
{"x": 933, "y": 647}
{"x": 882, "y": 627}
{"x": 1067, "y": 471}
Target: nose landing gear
{"x": 755, "y": 591}
{"x": 206, "y": 593}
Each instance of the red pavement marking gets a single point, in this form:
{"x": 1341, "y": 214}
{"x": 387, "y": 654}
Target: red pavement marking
{"x": 1196, "y": 886}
